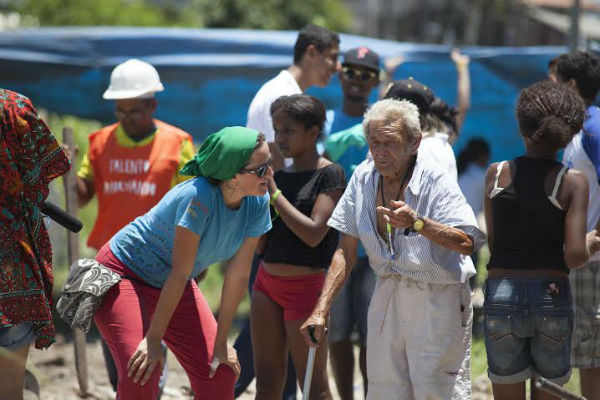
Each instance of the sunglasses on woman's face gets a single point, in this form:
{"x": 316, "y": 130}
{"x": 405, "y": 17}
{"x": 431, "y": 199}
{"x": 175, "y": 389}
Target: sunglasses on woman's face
{"x": 260, "y": 171}
{"x": 361, "y": 75}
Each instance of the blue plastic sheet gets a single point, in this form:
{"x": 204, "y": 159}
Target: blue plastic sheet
{"x": 210, "y": 76}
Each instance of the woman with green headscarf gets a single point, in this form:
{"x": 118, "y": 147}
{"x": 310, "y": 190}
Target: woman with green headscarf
{"x": 219, "y": 215}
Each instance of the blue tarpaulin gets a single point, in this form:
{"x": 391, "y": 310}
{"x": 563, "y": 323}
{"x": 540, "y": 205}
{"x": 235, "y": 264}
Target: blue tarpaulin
{"x": 211, "y": 75}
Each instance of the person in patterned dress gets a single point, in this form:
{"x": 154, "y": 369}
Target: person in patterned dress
{"x": 30, "y": 158}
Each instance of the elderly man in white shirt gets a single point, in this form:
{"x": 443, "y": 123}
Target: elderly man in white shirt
{"x": 418, "y": 231}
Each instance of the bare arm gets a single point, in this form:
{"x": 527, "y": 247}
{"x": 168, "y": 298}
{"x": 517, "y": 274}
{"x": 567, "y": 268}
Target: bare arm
{"x": 448, "y": 237}
{"x": 237, "y": 274}
{"x": 148, "y": 353}
{"x": 185, "y": 247}
{"x": 402, "y": 216}
{"x": 577, "y": 247}
{"x": 85, "y": 191}
{"x": 311, "y": 230}
{"x": 390, "y": 65}
{"x": 490, "y": 176}
{"x": 342, "y": 263}
{"x": 464, "y": 85}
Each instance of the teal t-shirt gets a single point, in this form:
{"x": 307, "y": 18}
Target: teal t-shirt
{"x": 146, "y": 245}
{"x": 346, "y": 145}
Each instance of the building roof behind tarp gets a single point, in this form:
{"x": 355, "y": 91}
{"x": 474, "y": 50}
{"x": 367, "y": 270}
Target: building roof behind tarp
{"x": 589, "y": 24}
{"x": 587, "y": 5}
{"x": 211, "y": 75}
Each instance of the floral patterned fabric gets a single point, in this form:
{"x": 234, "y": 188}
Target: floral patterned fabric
{"x": 30, "y": 157}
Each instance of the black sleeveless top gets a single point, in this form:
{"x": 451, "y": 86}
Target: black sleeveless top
{"x": 528, "y": 229}
{"x": 301, "y": 189}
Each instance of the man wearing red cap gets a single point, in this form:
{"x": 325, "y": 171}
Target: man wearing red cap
{"x": 359, "y": 76}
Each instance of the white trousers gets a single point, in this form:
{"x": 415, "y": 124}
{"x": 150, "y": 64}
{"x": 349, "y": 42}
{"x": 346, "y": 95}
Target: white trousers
{"x": 419, "y": 340}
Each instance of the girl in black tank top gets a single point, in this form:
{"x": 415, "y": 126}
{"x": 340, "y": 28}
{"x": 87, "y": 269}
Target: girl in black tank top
{"x": 535, "y": 210}
{"x": 298, "y": 249}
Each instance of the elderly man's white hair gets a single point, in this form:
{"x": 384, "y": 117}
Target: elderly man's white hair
{"x": 400, "y": 115}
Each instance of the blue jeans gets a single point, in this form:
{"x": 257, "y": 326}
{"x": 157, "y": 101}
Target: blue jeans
{"x": 17, "y": 336}
{"x": 243, "y": 346}
{"x": 527, "y": 326}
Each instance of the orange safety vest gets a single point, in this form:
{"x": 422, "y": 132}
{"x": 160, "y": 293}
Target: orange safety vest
{"x": 129, "y": 181}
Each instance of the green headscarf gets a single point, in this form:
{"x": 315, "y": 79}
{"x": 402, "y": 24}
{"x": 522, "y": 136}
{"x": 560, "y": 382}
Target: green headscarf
{"x": 223, "y": 154}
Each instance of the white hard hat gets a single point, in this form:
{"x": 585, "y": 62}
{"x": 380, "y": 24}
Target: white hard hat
{"x": 133, "y": 79}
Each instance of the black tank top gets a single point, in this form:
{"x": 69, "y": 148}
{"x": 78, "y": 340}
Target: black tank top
{"x": 528, "y": 228}
{"x": 302, "y": 189}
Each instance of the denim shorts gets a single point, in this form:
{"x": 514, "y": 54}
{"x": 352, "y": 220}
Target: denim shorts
{"x": 16, "y": 336}
{"x": 351, "y": 305}
{"x": 527, "y": 325}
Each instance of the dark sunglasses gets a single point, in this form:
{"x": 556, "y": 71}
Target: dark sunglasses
{"x": 364, "y": 76}
{"x": 260, "y": 171}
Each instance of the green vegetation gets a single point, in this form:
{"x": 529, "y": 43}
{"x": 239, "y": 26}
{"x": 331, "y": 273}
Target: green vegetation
{"x": 251, "y": 14}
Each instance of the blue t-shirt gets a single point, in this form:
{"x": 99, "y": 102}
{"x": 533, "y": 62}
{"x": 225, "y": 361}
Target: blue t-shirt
{"x": 146, "y": 245}
{"x": 591, "y": 138}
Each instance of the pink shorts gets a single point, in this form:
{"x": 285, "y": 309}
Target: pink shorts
{"x": 297, "y": 295}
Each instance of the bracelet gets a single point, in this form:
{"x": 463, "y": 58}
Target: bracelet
{"x": 274, "y": 197}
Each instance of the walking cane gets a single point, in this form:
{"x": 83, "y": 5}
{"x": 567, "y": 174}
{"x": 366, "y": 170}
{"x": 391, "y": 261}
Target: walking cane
{"x": 309, "y": 364}
{"x": 559, "y": 391}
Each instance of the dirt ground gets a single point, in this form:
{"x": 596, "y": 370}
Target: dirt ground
{"x": 55, "y": 371}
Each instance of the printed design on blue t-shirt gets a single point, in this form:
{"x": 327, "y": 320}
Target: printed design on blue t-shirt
{"x": 195, "y": 207}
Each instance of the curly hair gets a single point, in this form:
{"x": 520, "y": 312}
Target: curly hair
{"x": 550, "y": 114}
{"x": 584, "y": 68}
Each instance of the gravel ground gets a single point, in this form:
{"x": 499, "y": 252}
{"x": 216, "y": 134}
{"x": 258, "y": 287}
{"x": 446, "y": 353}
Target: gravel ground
{"x": 55, "y": 371}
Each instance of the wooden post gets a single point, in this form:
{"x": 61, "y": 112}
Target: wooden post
{"x": 70, "y": 181}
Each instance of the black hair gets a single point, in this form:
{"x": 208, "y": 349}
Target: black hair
{"x": 446, "y": 114}
{"x": 550, "y": 114}
{"x": 302, "y": 108}
{"x": 584, "y": 68}
{"x": 552, "y": 63}
{"x": 475, "y": 148}
{"x": 318, "y": 36}
{"x": 260, "y": 139}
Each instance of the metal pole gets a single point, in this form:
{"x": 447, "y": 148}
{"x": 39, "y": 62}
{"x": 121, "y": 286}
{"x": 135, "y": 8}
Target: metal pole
{"x": 574, "y": 34}
{"x": 558, "y": 391}
{"x": 70, "y": 182}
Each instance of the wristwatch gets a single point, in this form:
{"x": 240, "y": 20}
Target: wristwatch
{"x": 418, "y": 224}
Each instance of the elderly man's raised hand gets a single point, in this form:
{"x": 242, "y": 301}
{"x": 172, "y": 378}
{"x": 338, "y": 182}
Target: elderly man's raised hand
{"x": 399, "y": 215}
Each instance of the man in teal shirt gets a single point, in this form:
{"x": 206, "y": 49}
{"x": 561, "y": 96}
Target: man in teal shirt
{"x": 347, "y": 146}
